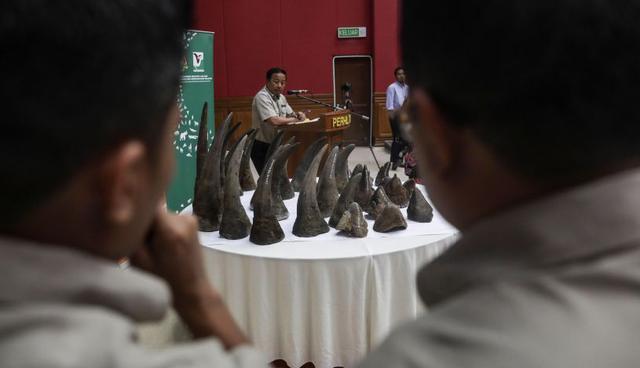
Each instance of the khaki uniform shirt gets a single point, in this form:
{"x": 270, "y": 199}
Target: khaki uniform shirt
{"x": 62, "y": 308}
{"x": 553, "y": 283}
{"x": 265, "y": 106}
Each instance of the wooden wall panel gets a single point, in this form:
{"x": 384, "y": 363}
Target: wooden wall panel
{"x": 381, "y": 127}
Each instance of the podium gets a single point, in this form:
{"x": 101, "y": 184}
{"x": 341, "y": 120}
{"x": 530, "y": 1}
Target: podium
{"x": 330, "y": 125}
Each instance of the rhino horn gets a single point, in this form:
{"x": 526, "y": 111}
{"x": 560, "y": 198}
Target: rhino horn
{"x": 345, "y": 199}
{"x": 353, "y": 222}
{"x": 409, "y": 186}
{"x": 227, "y": 161}
{"x": 235, "y": 223}
{"x": 303, "y": 166}
{"x": 247, "y": 182}
{"x": 363, "y": 190}
{"x": 201, "y": 151}
{"x": 274, "y": 145}
{"x": 291, "y": 140}
{"x": 377, "y": 203}
{"x": 309, "y": 222}
{"x": 396, "y": 192}
{"x": 382, "y": 174}
{"x": 228, "y": 135}
{"x": 282, "y": 176}
{"x": 419, "y": 209}
{"x": 357, "y": 170}
{"x": 278, "y": 167}
{"x": 278, "y": 180}
{"x": 207, "y": 201}
{"x": 266, "y": 228}
{"x": 342, "y": 166}
{"x": 327, "y": 189}
{"x": 225, "y": 144}
{"x": 389, "y": 220}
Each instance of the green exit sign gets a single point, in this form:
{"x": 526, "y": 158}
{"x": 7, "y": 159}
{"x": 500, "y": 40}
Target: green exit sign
{"x": 352, "y": 32}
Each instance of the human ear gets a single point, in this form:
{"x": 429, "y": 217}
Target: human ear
{"x": 436, "y": 141}
{"x": 123, "y": 180}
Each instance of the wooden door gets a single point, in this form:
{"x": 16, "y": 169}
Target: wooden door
{"x": 352, "y": 83}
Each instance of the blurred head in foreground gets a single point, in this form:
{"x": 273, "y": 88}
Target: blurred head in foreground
{"x": 89, "y": 110}
{"x": 514, "y": 99}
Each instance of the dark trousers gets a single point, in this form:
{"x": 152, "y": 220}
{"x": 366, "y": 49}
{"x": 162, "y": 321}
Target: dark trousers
{"x": 398, "y": 143}
{"x": 259, "y": 155}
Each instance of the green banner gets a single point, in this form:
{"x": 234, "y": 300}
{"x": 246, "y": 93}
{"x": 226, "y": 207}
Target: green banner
{"x": 196, "y": 88}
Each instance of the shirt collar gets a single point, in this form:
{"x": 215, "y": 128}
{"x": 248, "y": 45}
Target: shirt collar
{"x": 35, "y": 273}
{"x": 400, "y": 85}
{"x": 271, "y": 95}
{"x": 583, "y": 222}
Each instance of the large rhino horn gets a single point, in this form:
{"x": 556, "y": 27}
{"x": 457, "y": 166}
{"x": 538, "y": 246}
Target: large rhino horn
{"x": 309, "y": 221}
{"x": 274, "y": 145}
{"x": 276, "y": 187}
{"x": 207, "y": 201}
{"x": 247, "y": 182}
{"x": 265, "y": 229}
{"x": 303, "y": 166}
{"x": 282, "y": 177}
{"x": 345, "y": 199}
{"x": 227, "y": 158}
{"x": 229, "y": 134}
{"x": 363, "y": 191}
{"x": 342, "y": 166}
{"x": 274, "y": 178}
{"x": 235, "y": 223}
{"x": 227, "y": 161}
{"x": 327, "y": 189}
{"x": 202, "y": 147}
{"x": 225, "y": 144}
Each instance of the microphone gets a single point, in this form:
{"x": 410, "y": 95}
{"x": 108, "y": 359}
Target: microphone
{"x": 297, "y": 91}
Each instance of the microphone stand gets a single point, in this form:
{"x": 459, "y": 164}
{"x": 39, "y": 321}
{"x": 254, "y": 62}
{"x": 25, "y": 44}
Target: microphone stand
{"x": 338, "y": 108}
{"x": 333, "y": 107}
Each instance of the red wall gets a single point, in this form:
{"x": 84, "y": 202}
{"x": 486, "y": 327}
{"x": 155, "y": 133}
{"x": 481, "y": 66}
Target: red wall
{"x": 386, "y": 50}
{"x": 298, "y": 35}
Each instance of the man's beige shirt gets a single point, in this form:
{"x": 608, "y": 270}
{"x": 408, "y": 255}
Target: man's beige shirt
{"x": 265, "y": 105}
{"x": 63, "y": 308}
{"x": 553, "y": 283}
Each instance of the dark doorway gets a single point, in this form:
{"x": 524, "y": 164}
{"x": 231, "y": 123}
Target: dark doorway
{"x": 352, "y": 87}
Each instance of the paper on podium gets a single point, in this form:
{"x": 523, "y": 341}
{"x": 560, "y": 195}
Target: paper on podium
{"x": 305, "y": 121}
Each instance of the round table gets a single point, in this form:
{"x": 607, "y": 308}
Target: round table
{"x": 328, "y": 299}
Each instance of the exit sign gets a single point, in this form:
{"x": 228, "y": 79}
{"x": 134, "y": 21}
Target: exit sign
{"x": 352, "y": 32}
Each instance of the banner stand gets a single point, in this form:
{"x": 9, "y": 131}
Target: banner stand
{"x": 196, "y": 88}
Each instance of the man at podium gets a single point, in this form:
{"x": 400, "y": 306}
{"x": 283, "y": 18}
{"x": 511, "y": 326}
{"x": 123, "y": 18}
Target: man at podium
{"x": 270, "y": 109}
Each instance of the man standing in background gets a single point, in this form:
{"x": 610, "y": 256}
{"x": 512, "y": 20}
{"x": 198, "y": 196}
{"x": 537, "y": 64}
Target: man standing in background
{"x": 397, "y": 92}
{"x": 268, "y": 110}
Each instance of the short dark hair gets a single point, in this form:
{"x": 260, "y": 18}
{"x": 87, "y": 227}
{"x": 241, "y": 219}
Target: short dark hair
{"x": 83, "y": 77}
{"x": 551, "y": 86}
{"x": 275, "y": 70}
{"x": 396, "y": 70}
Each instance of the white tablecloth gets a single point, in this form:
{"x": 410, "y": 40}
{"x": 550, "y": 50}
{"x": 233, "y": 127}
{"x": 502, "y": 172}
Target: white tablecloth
{"x": 328, "y": 299}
